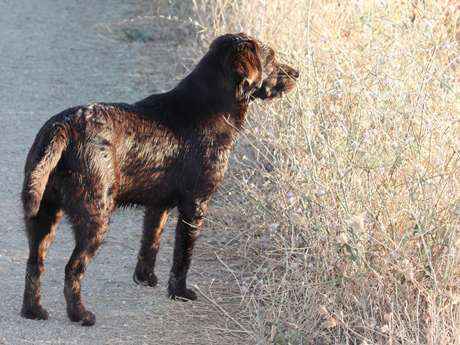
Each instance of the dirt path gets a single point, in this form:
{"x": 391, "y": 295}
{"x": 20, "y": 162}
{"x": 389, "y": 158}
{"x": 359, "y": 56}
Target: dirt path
{"x": 53, "y": 54}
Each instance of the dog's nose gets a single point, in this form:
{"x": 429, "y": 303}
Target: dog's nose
{"x": 297, "y": 74}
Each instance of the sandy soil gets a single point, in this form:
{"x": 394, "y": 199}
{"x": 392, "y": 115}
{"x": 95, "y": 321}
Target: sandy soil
{"x": 55, "y": 54}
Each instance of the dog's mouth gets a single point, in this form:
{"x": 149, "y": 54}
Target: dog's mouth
{"x": 278, "y": 84}
{"x": 284, "y": 90}
{"x": 269, "y": 92}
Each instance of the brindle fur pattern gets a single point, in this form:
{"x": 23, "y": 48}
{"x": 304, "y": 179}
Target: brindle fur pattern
{"x": 168, "y": 150}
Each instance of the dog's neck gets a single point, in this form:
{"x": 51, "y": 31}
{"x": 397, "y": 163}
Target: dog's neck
{"x": 209, "y": 91}
{"x": 215, "y": 91}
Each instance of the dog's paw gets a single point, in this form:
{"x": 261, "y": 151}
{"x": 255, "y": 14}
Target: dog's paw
{"x": 34, "y": 313}
{"x": 183, "y": 295}
{"x": 85, "y": 318}
{"x": 150, "y": 280}
{"x": 143, "y": 274}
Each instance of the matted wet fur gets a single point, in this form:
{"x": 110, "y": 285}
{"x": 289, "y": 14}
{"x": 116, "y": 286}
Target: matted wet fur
{"x": 167, "y": 150}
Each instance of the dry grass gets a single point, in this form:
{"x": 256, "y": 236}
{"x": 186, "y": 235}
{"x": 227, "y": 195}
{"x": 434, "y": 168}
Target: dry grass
{"x": 343, "y": 199}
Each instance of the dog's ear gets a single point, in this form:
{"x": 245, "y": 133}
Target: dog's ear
{"x": 244, "y": 61}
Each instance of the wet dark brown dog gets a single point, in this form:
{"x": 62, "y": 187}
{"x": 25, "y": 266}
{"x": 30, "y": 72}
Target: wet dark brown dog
{"x": 167, "y": 150}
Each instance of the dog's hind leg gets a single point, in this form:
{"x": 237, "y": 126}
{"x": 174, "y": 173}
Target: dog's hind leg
{"x": 188, "y": 228}
{"x": 90, "y": 213}
{"x": 40, "y": 231}
{"x": 154, "y": 223}
{"x": 89, "y": 238}
{"x": 90, "y": 231}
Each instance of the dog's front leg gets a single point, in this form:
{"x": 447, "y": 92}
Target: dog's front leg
{"x": 188, "y": 228}
{"x": 154, "y": 223}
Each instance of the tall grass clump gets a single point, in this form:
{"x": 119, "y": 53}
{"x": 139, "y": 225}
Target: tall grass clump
{"x": 347, "y": 191}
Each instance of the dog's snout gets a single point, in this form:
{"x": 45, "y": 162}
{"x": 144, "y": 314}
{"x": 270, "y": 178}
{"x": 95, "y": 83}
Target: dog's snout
{"x": 297, "y": 74}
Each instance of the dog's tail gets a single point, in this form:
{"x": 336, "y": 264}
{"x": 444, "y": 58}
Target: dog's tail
{"x": 43, "y": 157}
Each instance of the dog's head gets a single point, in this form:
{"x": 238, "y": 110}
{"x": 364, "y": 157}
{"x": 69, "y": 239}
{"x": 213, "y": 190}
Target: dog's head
{"x": 242, "y": 61}
{"x": 253, "y": 67}
{"x": 278, "y": 78}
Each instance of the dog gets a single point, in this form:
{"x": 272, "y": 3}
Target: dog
{"x": 165, "y": 151}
